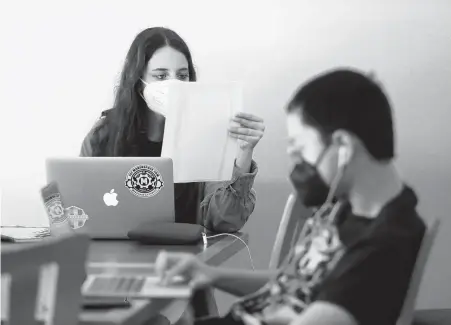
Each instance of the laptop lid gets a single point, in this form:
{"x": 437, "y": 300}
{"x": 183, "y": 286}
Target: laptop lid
{"x": 106, "y": 197}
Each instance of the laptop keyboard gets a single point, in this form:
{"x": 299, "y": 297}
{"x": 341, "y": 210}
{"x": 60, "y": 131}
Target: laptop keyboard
{"x": 116, "y": 285}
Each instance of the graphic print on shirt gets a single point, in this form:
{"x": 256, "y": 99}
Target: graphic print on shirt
{"x": 144, "y": 181}
{"x": 317, "y": 252}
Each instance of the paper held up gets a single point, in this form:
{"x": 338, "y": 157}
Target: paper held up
{"x": 196, "y": 133}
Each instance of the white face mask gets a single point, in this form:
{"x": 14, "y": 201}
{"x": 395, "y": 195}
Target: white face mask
{"x": 156, "y": 95}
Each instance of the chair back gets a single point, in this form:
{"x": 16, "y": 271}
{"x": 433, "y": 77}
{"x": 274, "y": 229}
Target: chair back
{"x": 407, "y": 311}
{"x": 293, "y": 218}
{"x": 43, "y": 280}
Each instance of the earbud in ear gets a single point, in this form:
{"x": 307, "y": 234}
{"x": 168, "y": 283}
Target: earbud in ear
{"x": 343, "y": 156}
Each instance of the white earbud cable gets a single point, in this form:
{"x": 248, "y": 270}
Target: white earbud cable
{"x": 205, "y": 237}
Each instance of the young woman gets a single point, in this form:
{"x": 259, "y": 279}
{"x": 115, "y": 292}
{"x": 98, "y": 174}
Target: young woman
{"x": 135, "y": 127}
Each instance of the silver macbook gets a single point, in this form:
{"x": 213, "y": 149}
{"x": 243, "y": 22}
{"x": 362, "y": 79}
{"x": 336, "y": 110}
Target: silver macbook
{"x": 107, "y": 197}
{"x": 134, "y": 286}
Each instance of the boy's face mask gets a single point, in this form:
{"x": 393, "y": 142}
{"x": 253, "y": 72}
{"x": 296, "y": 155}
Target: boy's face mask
{"x": 309, "y": 184}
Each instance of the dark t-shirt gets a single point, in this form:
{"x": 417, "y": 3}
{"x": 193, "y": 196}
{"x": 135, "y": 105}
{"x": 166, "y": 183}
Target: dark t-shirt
{"x": 149, "y": 148}
{"x": 372, "y": 277}
{"x": 363, "y": 265}
{"x": 186, "y": 195}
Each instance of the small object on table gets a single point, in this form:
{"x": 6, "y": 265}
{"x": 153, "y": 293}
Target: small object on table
{"x": 167, "y": 233}
{"x": 16, "y": 234}
{"x": 58, "y": 219}
{"x": 89, "y": 303}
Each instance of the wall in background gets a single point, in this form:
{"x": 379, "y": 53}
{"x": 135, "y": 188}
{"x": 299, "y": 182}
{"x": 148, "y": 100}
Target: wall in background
{"x": 60, "y": 63}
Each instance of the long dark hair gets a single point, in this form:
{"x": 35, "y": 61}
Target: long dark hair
{"x": 128, "y": 118}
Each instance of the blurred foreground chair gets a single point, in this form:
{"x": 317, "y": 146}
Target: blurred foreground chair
{"x": 56, "y": 295}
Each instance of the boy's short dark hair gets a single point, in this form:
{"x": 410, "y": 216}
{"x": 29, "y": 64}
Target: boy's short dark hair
{"x": 348, "y": 100}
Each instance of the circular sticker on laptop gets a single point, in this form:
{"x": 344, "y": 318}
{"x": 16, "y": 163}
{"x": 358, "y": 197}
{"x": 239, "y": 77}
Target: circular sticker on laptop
{"x": 144, "y": 181}
{"x": 77, "y": 217}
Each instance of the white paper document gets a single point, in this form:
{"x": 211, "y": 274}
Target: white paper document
{"x": 196, "y": 133}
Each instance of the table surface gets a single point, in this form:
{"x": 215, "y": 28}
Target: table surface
{"x": 126, "y": 251}
{"x": 432, "y": 317}
{"x": 218, "y": 251}
{"x": 138, "y": 257}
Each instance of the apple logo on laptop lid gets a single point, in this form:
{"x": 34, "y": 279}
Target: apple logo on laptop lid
{"x": 110, "y": 198}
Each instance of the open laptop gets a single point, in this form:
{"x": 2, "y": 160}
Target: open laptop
{"x": 134, "y": 286}
{"x": 107, "y": 197}
{"x": 131, "y": 280}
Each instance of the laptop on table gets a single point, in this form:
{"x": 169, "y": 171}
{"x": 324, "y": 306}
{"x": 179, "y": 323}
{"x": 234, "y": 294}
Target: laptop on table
{"x": 107, "y": 197}
{"x": 134, "y": 286}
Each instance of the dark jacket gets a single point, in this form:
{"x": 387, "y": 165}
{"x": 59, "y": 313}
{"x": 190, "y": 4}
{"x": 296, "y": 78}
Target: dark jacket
{"x": 219, "y": 206}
